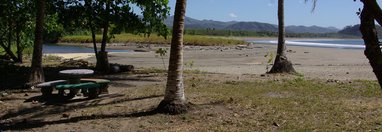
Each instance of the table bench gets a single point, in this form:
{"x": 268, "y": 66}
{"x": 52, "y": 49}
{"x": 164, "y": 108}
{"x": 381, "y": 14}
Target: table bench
{"x": 102, "y": 82}
{"x": 47, "y": 87}
{"x": 93, "y": 88}
{"x": 90, "y": 86}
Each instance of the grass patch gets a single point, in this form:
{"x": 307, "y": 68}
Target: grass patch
{"x": 292, "y": 105}
{"x": 231, "y": 105}
{"x": 154, "y": 39}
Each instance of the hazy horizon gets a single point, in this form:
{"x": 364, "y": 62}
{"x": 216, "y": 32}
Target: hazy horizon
{"x": 297, "y": 12}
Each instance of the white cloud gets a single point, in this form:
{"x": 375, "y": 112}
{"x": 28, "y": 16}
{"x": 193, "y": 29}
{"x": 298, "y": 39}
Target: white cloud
{"x": 233, "y": 15}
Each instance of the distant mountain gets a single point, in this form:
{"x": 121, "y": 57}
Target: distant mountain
{"x": 351, "y": 30}
{"x": 354, "y": 31}
{"x": 252, "y": 26}
{"x": 311, "y": 29}
{"x": 191, "y": 23}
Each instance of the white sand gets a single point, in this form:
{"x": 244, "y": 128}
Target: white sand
{"x": 75, "y": 56}
{"x": 312, "y": 62}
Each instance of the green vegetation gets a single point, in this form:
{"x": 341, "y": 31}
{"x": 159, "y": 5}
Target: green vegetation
{"x": 26, "y": 51}
{"x": 242, "y": 33}
{"x": 154, "y": 39}
{"x": 161, "y": 52}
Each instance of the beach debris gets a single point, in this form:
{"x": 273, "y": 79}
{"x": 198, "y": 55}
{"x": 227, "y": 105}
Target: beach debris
{"x": 332, "y": 81}
{"x": 291, "y": 51}
{"x": 6, "y": 121}
{"x": 34, "y": 102}
{"x": 65, "y": 115}
{"x": 306, "y": 52}
{"x": 275, "y": 124}
{"x": 347, "y": 73}
{"x": 75, "y": 63}
{"x": 4, "y": 94}
{"x": 114, "y": 68}
{"x": 26, "y": 94}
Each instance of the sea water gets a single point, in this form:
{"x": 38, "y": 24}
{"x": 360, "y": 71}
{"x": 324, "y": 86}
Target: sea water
{"x": 52, "y": 48}
{"x": 327, "y": 43}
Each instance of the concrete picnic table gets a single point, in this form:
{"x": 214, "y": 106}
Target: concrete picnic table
{"x": 74, "y": 77}
{"x": 90, "y": 87}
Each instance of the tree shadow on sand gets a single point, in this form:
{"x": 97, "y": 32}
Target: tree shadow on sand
{"x": 28, "y": 124}
{"x": 59, "y": 106}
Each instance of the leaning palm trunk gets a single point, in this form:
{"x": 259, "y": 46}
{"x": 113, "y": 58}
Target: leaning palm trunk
{"x": 37, "y": 74}
{"x": 370, "y": 37}
{"x": 174, "y": 101}
{"x": 281, "y": 64}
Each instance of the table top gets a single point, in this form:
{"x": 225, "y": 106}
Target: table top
{"x": 76, "y": 72}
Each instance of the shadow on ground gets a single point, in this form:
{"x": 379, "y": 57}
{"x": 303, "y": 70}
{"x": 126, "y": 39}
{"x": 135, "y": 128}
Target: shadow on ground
{"x": 30, "y": 116}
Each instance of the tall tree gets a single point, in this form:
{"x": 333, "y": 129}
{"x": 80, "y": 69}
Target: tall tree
{"x": 372, "y": 11}
{"x": 37, "y": 74}
{"x": 16, "y": 27}
{"x": 281, "y": 64}
{"x": 174, "y": 101}
{"x": 114, "y": 16}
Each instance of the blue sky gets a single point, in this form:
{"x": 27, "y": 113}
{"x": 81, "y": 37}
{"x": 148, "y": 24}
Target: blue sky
{"x": 336, "y": 13}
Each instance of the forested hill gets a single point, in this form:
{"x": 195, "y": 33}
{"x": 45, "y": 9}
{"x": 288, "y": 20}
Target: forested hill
{"x": 192, "y": 23}
{"x": 354, "y": 31}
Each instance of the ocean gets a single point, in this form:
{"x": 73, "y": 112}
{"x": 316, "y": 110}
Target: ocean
{"x": 327, "y": 43}
{"x": 52, "y": 48}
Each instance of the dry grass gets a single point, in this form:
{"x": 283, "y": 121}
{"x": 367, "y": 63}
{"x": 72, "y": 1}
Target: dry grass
{"x": 154, "y": 39}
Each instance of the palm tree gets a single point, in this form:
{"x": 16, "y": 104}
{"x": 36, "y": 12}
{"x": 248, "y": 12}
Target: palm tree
{"x": 37, "y": 74}
{"x": 174, "y": 101}
{"x": 281, "y": 64}
{"x": 372, "y": 11}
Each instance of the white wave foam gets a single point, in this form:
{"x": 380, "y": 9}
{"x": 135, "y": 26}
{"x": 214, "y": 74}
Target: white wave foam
{"x": 329, "y": 45}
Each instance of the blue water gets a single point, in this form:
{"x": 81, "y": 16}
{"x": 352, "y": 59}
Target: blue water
{"x": 51, "y": 48}
{"x": 328, "y": 43}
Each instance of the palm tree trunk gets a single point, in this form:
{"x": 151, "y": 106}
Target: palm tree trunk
{"x": 37, "y": 74}
{"x": 281, "y": 64}
{"x": 174, "y": 101}
{"x": 375, "y": 9}
{"x": 370, "y": 37}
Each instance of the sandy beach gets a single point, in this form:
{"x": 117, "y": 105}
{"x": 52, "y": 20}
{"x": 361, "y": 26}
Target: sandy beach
{"x": 312, "y": 62}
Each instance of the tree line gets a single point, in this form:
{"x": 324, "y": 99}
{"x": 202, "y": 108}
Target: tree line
{"x": 245, "y": 33}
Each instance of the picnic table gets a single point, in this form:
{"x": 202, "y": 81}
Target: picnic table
{"x": 74, "y": 77}
{"x": 74, "y": 82}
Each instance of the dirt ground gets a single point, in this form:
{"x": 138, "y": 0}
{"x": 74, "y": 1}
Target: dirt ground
{"x": 132, "y": 97}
